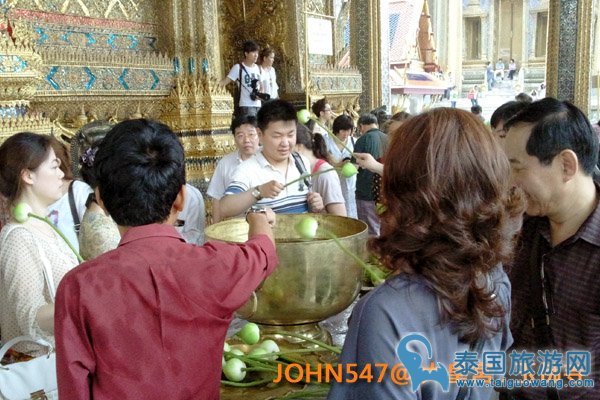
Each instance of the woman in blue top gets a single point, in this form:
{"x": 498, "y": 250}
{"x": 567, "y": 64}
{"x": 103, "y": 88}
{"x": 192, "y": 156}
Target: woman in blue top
{"x": 449, "y": 223}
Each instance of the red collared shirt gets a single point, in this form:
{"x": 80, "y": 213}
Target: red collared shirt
{"x": 148, "y": 319}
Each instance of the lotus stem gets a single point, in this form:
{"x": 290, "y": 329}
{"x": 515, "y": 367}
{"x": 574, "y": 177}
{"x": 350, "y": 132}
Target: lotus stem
{"x": 322, "y": 125}
{"x": 246, "y": 384}
{"x": 302, "y": 177}
{"x": 46, "y": 220}
{"x": 333, "y": 349}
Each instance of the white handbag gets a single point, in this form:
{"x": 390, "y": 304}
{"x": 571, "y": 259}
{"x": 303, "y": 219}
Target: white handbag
{"x": 34, "y": 379}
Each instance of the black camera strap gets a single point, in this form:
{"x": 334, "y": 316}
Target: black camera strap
{"x": 300, "y": 165}
{"x": 247, "y": 74}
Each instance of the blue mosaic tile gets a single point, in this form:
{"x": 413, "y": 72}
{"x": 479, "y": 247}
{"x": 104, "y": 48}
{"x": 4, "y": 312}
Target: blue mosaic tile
{"x": 43, "y": 36}
{"x": 111, "y": 40}
{"x": 121, "y": 79}
{"x": 65, "y": 36}
{"x": 90, "y": 39}
{"x": 134, "y": 42}
{"x": 92, "y": 80}
{"x": 50, "y": 78}
{"x": 156, "y": 80}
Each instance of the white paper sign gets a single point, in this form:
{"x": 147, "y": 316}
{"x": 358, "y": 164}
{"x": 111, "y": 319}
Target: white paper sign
{"x": 320, "y": 36}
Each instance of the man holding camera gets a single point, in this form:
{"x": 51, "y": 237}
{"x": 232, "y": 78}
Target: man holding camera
{"x": 247, "y": 74}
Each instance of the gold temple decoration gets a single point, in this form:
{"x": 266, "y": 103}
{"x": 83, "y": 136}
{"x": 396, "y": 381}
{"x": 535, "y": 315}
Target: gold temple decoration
{"x": 197, "y": 104}
{"x": 20, "y": 74}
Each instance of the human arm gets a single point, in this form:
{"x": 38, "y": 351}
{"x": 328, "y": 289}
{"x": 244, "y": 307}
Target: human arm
{"x": 225, "y": 81}
{"x": 315, "y": 202}
{"x": 24, "y": 285}
{"x": 366, "y": 160}
{"x": 328, "y": 185}
{"x": 261, "y": 224}
{"x": 237, "y": 201}
{"x": 74, "y": 353}
{"x": 216, "y": 211}
{"x": 98, "y": 233}
{"x": 336, "y": 209}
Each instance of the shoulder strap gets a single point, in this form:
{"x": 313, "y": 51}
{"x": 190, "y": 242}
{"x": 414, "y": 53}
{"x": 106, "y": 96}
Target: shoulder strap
{"x": 20, "y": 339}
{"x": 540, "y": 314}
{"x": 301, "y": 167}
{"x": 74, "y": 214}
{"x": 318, "y": 165}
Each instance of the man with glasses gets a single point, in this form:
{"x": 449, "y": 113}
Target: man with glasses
{"x": 553, "y": 152}
{"x": 245, "y": 136}
{"x": 322, "y": 109}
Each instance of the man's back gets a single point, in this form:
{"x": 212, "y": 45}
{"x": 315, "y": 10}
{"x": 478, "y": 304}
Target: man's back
{"x": 155, "y": 312}
{"x": 373, "y": 142}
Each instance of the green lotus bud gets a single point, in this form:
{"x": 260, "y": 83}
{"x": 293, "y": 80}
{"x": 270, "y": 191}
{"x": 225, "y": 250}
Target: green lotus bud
{"x": 21, "y": 212}
{"x": 349, "y": 170}
{"x": 234, "y": 370}
{"x": 303, "y": 116}
{"x": 307, "y": 228}
{"x": 250, "y": 333}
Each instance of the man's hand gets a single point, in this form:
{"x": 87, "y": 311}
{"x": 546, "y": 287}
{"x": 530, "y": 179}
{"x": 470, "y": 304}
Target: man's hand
{"x": 315, "y": 202}
{"x": 270, "y": 190}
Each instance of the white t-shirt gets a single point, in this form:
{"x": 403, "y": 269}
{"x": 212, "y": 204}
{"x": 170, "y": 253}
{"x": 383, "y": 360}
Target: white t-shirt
{"x": 192, "y": 216}
{"x": 248, "y": 74}
{"x": 60, "y": 211}
{"x": 328, "y": 185}
{"x": 223, "y": 174}
{"x": 256, "y": 170}
{"x": 270, "y": 82}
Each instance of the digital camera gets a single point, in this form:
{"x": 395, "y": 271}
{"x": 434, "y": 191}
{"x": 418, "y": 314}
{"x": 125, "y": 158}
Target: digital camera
{"x": 256, "y": 94}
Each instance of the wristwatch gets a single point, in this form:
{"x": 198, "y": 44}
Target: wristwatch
{"x": 256, "y": 194}
{"x": 256, "y": 209}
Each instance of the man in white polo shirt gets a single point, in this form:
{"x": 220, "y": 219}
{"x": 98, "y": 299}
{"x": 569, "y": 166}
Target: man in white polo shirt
{"x": 262, "y": 179}
{"x": 246, "y": 142}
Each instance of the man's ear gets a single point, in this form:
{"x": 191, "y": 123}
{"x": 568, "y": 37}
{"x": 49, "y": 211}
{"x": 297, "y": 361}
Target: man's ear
{"x": 570, "y": 164}
{"x": 260, "y": 135}
{"x": 180, "y": 199}
{"x": 99, "y": 200}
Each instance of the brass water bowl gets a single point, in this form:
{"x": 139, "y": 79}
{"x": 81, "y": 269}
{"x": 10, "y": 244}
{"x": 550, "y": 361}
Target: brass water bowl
{"x": 314, "y": 280}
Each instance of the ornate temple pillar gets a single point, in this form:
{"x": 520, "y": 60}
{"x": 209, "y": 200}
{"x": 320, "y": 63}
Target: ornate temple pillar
{"x": 569, "y": 51}
{"x": 369, "y": 43}
{"x": 197, "y": 109}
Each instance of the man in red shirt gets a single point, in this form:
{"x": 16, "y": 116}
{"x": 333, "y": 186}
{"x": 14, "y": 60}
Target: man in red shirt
{"x": 148, "y": 319}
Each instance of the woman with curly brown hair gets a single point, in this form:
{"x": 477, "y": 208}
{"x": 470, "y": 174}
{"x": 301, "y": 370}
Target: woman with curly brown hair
{"x": 448, "y": 226}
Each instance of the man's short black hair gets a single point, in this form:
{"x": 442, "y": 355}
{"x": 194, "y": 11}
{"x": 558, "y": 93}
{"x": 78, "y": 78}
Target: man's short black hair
{"x": 273, "y": 111}
{"x": 242, "y": 120}
{"x": 250, "y": 46}
{"x": 342, "y": 123}
{"x": 506, "y": 111}
{"x": 140, "y": 169}
{"x": 367, "y": 119}
{"x": 557, "y": 126}
{"x": 476, "y": 109}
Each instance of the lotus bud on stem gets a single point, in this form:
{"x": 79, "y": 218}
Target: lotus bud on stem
{"x": 348, "y": 170}
{"x": 22, "y": 212}
{"x": 307, "y": 228}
